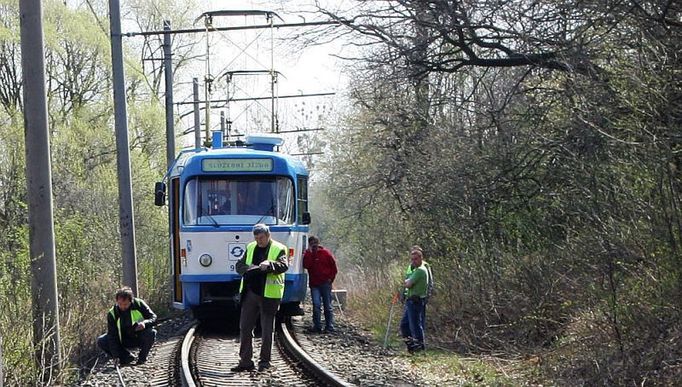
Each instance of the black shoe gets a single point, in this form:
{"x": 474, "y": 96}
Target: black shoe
{"x": 313, "y": 330}
{"x": 264, "y": 367}
{"x": 415, "y": 347}
{"x": 241, "y": 368}
{"x": 141, "y": 361}
{"x": 127, "y": 360}
{"x": 329, "y": 330}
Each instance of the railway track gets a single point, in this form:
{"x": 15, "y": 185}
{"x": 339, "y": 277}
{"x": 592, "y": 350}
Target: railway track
{"x": 206, "y": 358}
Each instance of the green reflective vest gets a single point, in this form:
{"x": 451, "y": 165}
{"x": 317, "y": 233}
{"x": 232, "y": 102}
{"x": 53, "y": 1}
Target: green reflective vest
{"x": 429, "y": 279}
{"x": 135, "y": 316}
{"x": 274, "y": 283}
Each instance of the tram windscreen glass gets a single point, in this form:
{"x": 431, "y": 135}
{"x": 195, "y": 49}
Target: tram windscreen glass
{"x": 216, "y": 201}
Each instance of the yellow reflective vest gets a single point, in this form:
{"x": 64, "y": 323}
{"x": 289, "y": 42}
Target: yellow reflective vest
{"x": 274, "y": 283}
{"x": 135, "y": 315}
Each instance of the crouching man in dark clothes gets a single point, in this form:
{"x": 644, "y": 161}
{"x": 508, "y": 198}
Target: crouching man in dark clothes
{"x": 129, "y": 325}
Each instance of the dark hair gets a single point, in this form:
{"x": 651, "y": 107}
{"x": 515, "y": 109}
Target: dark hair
{"x": 261, "y": 228}
{"x": 125, "y": 292}
{"x": 313, "y": 238}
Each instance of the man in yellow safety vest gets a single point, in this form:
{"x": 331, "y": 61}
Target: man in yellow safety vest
{"x": 262, "y": 269}
{"x": 129, "y": 325}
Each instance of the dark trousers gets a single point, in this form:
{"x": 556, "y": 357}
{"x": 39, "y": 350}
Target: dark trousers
{"x": 113, "y": 347}
{"x": 412, "y": 323}
{"x": 252, "y": 306}
{"x": 322, "y": 296}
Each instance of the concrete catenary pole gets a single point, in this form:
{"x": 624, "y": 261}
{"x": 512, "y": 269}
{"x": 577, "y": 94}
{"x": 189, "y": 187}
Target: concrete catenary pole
{"x": 168, "y": 75}
{"x": 1, "y": 364}
{"x": 170, "y": 122}
{"x": 125, "y": 191}
{"x": 197, "y": 116}
{"x": 39, "y": 188}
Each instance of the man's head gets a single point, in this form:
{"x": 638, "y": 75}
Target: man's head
{"x": 124, "y": 297}
{"x": 416, "y": 256}
{"x": 261, "y": 233}
{"x": 313, "y": 243}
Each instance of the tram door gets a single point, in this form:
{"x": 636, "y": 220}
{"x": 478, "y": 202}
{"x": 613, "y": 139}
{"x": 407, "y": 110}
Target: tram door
{"x": 175, "y": 237}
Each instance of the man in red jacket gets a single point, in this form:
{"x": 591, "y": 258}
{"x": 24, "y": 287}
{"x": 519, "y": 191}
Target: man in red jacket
{"x": 321, "y": 266}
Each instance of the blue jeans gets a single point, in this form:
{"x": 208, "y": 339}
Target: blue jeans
{"x": 412, "y": 323}
{"x": 322, "y": 295}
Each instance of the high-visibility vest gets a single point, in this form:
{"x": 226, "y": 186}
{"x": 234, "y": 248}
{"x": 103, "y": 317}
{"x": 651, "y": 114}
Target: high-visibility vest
{"x": 135, "y": 316}
{"x": 274, "y": 283}
{"x": 429, "y": 278}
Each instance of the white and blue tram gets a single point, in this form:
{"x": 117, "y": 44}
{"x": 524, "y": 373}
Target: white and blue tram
{"x": 215, "y": 197}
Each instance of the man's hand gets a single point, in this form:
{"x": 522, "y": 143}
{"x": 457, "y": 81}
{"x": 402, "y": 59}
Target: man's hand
{"x": 139, "y": 326}
{"x": 265, "y": 265}
{"x": 116, "y": 361}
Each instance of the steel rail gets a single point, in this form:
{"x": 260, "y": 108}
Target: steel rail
{"x": 324, "y": 376}
{"x": 186, "y": 375}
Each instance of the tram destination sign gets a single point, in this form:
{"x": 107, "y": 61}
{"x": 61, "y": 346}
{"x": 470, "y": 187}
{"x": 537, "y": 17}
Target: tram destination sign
{"x": 236, "y": 165}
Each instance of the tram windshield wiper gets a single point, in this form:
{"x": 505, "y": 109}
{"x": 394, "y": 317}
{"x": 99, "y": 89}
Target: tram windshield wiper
{"x": 270, "y": 211}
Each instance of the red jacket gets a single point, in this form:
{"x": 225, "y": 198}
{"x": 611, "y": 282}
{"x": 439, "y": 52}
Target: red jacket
{"x": 321, "y": 266}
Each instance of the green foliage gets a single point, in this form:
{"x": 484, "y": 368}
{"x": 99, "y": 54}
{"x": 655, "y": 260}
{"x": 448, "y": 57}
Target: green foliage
{"x": 547, "y": 202}
{"x": 85, "y": 195}
{"x": 15, "y": 310}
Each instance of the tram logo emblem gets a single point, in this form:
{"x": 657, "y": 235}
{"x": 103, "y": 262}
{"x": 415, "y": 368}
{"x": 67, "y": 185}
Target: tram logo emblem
{"x": 236, "y": 250}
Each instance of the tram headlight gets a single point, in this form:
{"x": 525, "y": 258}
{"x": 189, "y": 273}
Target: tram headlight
{"x": 205, "y": 260}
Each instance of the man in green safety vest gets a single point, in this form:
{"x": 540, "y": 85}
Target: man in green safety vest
{"x": 129, "y": 325}
{"x": 262, "y": 269}
{"x": 418, "y": 280}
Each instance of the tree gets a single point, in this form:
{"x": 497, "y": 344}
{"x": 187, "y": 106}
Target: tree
{"x": 542, "y": 174}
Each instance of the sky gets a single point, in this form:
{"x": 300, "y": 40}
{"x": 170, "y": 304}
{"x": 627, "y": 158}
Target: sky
{"x": 303, "y": 70}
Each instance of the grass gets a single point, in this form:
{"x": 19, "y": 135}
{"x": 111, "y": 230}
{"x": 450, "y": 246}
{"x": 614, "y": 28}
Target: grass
{"x": 461, "y": 371}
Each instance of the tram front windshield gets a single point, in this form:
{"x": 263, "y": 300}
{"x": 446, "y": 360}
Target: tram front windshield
{"x": 238, "y": 200}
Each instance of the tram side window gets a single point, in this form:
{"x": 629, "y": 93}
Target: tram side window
{"x": 285, "y": 200}
{"x": 302, "y": 197}
{"x": 192, "y": 205}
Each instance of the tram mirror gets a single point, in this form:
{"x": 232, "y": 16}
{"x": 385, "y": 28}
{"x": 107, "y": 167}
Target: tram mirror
{"x": 306, "y": 218}
{"x": 159, "y": 194}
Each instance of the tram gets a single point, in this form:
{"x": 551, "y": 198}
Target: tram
{"x": 215, "y": 197}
